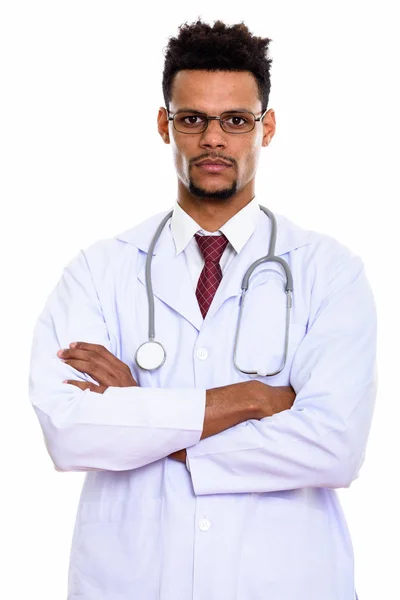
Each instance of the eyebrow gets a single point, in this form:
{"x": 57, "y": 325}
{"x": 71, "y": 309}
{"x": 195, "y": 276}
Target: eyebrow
{"x": 203, "y": 112}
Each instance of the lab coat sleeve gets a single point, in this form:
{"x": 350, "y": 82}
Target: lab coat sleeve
{"x": 123, "y": 428}
{"x": 321, "y": 440}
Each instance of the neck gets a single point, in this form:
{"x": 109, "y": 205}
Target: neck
{"x": 212, "y": 213}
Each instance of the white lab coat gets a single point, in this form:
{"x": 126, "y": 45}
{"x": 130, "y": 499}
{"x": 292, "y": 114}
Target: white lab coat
{"x": 257, "y": 517}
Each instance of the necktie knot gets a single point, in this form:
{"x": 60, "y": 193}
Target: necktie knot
{"x": 211, "y": 246}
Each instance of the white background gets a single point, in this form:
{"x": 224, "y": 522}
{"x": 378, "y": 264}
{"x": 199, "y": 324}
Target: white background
{"x": 81, "y": 160}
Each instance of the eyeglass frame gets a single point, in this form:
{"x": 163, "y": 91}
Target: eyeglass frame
{"x": 215, "y": 118}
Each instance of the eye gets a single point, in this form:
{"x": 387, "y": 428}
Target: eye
{"x": 190, "y": 120}
{"x": 193, "y": 120}
{"x": 236, "y": 120}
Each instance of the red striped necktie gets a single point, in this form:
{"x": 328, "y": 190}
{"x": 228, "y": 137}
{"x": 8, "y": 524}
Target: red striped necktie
{"x": 212, "y": 248}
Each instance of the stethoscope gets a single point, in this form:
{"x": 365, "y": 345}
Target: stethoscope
{"x": 151, "y": 354}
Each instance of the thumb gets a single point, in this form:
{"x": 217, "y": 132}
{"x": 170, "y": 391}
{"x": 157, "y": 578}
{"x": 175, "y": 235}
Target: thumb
{"x": 84, "y": 385}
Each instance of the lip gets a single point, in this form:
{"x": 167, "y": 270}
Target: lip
{"x": 213, "y": 167}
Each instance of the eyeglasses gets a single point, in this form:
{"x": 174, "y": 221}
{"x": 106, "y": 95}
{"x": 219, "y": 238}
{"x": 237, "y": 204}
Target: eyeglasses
{"x": 232, "y": 121}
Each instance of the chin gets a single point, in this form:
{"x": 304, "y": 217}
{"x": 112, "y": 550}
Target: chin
{"x": 219, "y": 194}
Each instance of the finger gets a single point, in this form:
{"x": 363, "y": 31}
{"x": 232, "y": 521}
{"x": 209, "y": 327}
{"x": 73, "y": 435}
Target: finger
{"x": 85, "y": 356}
{"x": 95, "y": 370}
{"x": 94, "y": 353}
{"x": 84, "y": 385}
{"x": 98, "y": 349}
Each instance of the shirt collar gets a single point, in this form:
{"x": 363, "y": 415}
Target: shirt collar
{"x": 237, "y": 229}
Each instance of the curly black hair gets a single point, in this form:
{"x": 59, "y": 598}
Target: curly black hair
{"x": 217, "y": 48}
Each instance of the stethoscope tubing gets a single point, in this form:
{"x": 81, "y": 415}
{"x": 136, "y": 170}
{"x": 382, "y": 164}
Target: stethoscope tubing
{"x": 270, "y": 257}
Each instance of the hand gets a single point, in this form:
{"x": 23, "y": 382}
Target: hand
{"x": 99, "y": 363}
{"x": 273, "y": 399}
{"x": 179, "y": 455}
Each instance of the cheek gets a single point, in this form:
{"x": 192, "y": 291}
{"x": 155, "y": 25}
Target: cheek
{"x": 249, "y": 161}
{"x": 179, "y": 157}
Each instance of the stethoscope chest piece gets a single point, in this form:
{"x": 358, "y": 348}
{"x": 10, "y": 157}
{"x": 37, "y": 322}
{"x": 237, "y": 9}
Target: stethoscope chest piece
{"x": 150, "y": 355}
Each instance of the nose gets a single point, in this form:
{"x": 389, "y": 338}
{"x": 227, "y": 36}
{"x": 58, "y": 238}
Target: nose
{"x": 213, "y": 136}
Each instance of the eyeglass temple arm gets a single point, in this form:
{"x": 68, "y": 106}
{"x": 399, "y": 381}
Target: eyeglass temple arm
{"x": 261, "y": 116}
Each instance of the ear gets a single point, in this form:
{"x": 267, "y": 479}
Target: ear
{"x": 269, "y": 125}
{"x": 162, "y": 124}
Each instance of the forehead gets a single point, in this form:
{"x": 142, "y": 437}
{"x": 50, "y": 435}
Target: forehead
{"x": 213, "y": 91}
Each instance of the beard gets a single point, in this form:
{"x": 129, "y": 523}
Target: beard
{"x": 223, "y": 194}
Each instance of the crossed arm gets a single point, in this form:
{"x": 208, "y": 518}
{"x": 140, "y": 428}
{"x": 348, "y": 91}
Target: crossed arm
{"x": 225, "y": 406}
{"x": 246, "y": 437}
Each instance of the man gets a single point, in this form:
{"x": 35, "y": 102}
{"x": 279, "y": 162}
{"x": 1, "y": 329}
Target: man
{"x": 211, "y": 476}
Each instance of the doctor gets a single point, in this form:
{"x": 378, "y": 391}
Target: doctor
{"x": 212, "y": 459}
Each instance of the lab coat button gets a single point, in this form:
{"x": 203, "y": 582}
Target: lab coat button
{"x": 204, "y": 524}
{"x": 202, "y": 353}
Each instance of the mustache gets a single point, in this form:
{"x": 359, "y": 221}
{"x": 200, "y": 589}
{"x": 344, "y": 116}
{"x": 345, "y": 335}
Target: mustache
{"x": 212, "y": 157}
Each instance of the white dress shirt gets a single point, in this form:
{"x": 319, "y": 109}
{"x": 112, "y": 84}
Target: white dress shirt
{"x": 237, "y": 230}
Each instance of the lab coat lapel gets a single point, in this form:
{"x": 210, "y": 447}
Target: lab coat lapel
{"x": 171, "y": 280}
{"x": 289, "y": 237}
{"x": 170, "y": 274}
{"x": 171, "y": 277}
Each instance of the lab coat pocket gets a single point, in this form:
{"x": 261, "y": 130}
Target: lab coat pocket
{"x": 287, "y": 547}
{"x": 118, "y": 545}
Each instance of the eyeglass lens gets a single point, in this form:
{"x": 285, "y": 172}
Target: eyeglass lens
{"x": 234, "y": 122}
